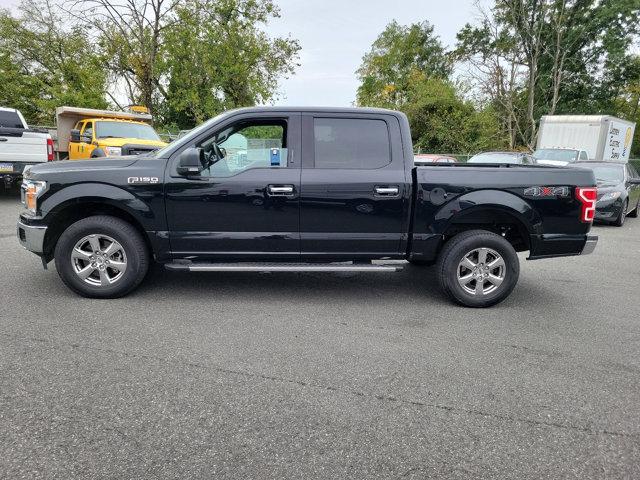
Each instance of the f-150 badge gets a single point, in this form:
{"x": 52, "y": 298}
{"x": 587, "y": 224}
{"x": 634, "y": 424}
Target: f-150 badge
{"x": 547, "y": 192}
{"x": 142, "y": 180}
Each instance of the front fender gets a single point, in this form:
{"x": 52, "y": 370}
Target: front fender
{"x": 103, "y": 194}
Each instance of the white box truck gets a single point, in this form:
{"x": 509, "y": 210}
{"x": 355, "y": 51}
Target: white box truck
{"x": 602, "y": 137}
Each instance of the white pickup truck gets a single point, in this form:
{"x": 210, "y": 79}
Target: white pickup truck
{"x": 20, "y": 146}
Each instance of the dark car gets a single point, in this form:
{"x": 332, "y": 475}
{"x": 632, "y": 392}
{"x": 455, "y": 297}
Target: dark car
{"x": 618, "y": 190}
{"x": 511, "y": 158}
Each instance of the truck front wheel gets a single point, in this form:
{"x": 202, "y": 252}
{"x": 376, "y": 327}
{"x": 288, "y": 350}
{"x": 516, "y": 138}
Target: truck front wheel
{"x": 478, "y": 268}
{"x": 101, "y": 257}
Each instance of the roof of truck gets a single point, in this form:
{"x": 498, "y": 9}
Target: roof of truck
{"x": 317, "y": 109}
{"x": 581, "y": 119}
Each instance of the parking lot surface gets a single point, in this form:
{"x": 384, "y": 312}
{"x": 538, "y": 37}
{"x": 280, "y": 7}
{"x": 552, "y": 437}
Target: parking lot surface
{"x": 290, "y": 375}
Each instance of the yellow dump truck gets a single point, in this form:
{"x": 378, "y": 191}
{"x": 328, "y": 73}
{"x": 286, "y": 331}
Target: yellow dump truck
{"x": 88, "y": 133}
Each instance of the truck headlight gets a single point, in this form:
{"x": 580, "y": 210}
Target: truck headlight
{"x": 30, "y": 191}
{"x": 609, "y": 196}
{"x": 114, "y": 151}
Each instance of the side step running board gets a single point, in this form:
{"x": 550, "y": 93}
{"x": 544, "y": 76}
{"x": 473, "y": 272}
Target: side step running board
{"x": 283, "y": 267}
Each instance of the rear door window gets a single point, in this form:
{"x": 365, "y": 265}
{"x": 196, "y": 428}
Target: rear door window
{"x": 349, "y": 143}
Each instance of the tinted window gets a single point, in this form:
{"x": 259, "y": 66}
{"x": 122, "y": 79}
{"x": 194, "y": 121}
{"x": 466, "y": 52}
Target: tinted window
{"x": 583, "y": 155}
{"x": 10, "y": 120}
{"x": 247, "y": 145}
{"x": 351, "y": 143}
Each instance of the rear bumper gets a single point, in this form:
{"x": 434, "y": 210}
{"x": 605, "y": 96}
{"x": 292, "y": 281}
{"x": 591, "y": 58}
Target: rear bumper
{"x": 14, "y": 173}
{"x": 559, "y": 245}
{"x": 31, "y": 237}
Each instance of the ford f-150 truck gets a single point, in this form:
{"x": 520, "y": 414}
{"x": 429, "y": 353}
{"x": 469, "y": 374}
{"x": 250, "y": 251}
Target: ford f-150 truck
{"x": 20, "y": 146}
{"x": 305, "y": 189}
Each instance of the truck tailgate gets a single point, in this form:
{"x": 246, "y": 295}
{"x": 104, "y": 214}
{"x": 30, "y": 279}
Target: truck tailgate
{"x": 28, "y": 148}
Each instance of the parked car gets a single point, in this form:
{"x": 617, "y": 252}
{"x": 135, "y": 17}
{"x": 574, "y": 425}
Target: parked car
{"x": 429, "y": 159}
{"x": 20, "y": 146}
{"x": 559, "y": 157}
{"x": 600, "y": 138}
{"x": 618, "y": 190}
{"x": 511, "y": 158}
{"x": 294, "y": 206}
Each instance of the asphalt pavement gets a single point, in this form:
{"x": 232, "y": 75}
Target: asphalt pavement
{"x": 367, "y": 375}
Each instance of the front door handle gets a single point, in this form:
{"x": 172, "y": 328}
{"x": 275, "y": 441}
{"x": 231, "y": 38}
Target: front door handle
{"x": 387, "y": 191}
{"x": 280, "y": 190}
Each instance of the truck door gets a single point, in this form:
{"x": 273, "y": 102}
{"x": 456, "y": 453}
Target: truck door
{"x": 354, "y": 187}
{"x": 246, "y": 206}
{"x": 86, "y": 138}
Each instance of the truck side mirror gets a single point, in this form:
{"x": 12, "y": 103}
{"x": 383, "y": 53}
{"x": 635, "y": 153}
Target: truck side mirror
{"x": 191, "y": 161}
{"x": 75, "y": 135}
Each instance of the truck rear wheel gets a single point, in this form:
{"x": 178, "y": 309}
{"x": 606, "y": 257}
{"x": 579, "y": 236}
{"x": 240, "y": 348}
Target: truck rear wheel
{"x": 478, "y": 268}
{"x": 101, "y": 257}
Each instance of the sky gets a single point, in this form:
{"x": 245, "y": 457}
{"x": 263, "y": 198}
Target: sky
{"x": 335, "y": 34}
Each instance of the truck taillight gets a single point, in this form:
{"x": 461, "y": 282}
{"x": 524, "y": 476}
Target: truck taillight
{"x": 587, "y": 197}
{"x": 49, "y": 150}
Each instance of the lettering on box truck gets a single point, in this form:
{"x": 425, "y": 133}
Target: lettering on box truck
{"x": 618, "y": 143}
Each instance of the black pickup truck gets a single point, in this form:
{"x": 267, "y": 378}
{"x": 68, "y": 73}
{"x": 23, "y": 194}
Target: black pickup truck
{"x": 301, "y": 189}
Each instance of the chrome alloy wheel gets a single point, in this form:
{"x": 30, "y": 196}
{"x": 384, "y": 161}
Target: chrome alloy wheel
{"x": 481, "y": 271}
{"x": 99, "y": 260}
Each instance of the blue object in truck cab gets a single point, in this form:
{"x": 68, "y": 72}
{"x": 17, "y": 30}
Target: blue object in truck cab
{"x": 275, "y": 157}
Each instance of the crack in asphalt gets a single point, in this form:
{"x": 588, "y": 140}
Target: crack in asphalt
{"x": 330, "y": 388}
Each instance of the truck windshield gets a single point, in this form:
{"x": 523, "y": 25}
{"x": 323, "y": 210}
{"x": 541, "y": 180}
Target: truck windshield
{"x": 125, "y": 130}
{"x": 561, "y": 155}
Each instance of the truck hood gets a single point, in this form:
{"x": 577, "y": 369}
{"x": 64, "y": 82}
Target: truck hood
{"x": 119, "y": 142}
{"x": 80, "y": 165}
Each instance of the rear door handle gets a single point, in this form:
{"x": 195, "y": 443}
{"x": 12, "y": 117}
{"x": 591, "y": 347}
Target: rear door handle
{"x": 280, "y": 190}
{"x": 387, "y": 191}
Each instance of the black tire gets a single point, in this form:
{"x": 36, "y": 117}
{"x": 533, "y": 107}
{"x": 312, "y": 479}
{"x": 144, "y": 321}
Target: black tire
{"x": 457, "y": 248}
{"x": 136, "y": 256}
{"x": 622, "y": 215}
{"x": 634, "y": 212}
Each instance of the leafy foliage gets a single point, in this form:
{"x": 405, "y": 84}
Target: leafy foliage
{"x": 44, "y": 65}
{"x": 408, "y": 69}
{"x": 396, "y": 54}
{"x": 218, "y": 58}
{"x": 536, "y": 57}
{"x": 186, "y": 60}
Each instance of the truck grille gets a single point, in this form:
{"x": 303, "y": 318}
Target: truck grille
{"x": 137, "y": 149}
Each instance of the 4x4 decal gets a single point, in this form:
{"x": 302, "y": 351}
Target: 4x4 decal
{"x": 547, "y": 191}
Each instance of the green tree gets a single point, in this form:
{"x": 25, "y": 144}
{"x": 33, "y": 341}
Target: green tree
{"x": 217, "y": 57}
{"x": 537, "y": 57}
{"x": 44, "y": 64}
{"x": 442, "y": 121}
{"x": 395, "y": 56}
